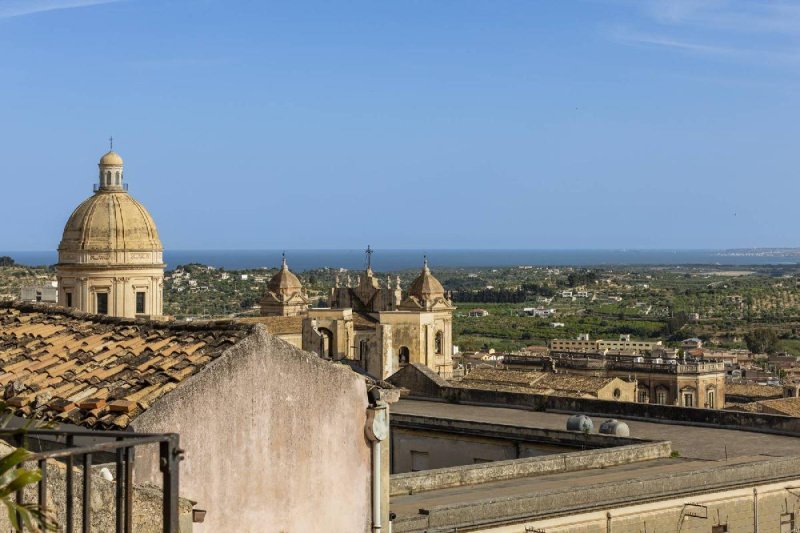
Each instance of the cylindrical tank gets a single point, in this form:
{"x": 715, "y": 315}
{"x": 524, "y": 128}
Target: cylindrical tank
{"x": 615, "y": 427}
{"x": 580, "y": 423}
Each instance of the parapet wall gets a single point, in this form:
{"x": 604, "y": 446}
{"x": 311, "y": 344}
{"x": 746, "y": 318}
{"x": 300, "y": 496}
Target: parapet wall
{"x": 573, "y": 439}
{"x": 741, "y": 420}
{"x": 559, "y": 502}
{"x": 413, "y": 482}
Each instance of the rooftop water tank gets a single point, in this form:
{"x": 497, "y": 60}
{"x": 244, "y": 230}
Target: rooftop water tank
{"x": 616, "y": 428}
{"x": 580, "y": 423}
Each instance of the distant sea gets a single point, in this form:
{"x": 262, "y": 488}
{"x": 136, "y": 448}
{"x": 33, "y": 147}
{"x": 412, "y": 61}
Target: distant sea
{"x": 394, "y": 260}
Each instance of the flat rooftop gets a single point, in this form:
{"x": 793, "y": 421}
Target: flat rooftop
{"x": 694, "y": 442}
{"x": 702, "y": 466}
{"x": 406, "y": 505}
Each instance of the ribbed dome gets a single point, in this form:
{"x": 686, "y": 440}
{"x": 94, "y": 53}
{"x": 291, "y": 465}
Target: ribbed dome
{"x": 108, "y": 222}
{"x": 426, "y": 286}
{"x": 111, "y": 158}
{"x": 284, "y": 282}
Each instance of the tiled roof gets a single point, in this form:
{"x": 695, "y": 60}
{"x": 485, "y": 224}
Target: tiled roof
{"x": 533, "y": 381}
{"x": 278, "y": 325}
{"x": 781, "y": 406}
{"x": 748, "y": 390}
{"x": 96, "y": 371}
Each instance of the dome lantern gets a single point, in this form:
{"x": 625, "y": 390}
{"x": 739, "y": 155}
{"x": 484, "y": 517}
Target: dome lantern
{"x": 110, "y": 166}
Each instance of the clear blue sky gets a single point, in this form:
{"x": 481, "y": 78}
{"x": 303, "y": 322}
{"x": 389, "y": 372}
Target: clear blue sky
{"x": 408, "y": 124}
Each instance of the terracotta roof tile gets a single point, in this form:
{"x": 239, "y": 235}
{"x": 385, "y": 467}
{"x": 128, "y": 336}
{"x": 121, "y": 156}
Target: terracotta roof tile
{"x": 62, "y": 365}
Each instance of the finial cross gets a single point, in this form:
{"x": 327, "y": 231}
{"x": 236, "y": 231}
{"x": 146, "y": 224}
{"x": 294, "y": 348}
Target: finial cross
{"x": 369, "y": 251}
{"x": 111, "y": 143}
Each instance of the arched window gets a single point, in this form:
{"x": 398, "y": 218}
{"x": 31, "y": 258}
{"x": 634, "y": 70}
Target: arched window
{"x": 108, "y": 177}
{"x": 117, "y": 177}
{"x": 438, "y": 342}
{"x": 403, "y": 355}
{"x": 644, "y": 396}
{"x": 326, "y": 343}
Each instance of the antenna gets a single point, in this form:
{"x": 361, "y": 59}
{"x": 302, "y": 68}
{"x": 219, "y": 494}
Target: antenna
{"x": 111, "y": 143}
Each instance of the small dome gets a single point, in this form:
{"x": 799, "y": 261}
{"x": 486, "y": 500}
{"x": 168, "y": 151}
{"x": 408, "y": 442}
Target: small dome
{"x": 426, "y": 286}
{"x": 284, "y": 281}
{"x": 111, "y": 159}
{"x": 110, "y": 221}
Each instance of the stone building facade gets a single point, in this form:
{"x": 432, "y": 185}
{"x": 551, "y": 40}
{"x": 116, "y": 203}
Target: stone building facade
{"x": 377, "y": 328}
{"x": 660, "y": 380}
{"x": 110, "y": 260}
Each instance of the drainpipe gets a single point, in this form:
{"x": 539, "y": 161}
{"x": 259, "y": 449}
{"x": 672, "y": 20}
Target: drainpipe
{"x": 377, "y": 429}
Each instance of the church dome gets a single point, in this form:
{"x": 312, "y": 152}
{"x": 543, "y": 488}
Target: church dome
{"x": 110, "y": 221}
{"x": 284, "y": 282}
{"x": 426, "y": 286}
{"x": 111, "y": 159}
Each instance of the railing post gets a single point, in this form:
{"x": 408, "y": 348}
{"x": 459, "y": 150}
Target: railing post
{"x": 120, "y": 490}
{"x": 70, "y": 489}
{"x": 20, "y": 496}
{"x": 87, "y": 493}
{"x": 169, "y": 458}
{"x": 43, "y": 487}
{"x": 128, "y": 490}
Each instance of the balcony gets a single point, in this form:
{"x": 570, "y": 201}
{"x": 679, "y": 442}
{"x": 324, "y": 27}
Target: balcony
{"x": 78, "y": 452}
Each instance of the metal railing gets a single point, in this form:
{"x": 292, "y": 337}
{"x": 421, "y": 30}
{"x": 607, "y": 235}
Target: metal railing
{"x": 82, "y": 449}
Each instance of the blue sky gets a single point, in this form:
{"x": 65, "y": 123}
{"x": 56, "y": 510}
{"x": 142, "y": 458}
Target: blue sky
{"x": 408, "y": 124}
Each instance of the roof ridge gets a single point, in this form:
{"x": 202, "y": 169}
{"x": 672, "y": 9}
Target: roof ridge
{"x": 173, "y": 325}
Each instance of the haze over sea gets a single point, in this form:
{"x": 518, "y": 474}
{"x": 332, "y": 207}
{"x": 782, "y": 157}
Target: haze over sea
{"x": 394, "y": 260}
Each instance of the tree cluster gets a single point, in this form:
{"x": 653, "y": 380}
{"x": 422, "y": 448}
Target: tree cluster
{"x": 762, "y": 340}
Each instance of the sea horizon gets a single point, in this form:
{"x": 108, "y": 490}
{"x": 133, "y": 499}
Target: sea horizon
{"x": 389, "y": 260}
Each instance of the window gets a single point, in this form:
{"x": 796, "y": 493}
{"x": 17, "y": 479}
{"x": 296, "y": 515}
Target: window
{"x": 661, "y": 397}
{"x": 711, "y": 397}
{"x": 38, "y": 296}
{"x": 722, "y": 528}
{"x": 102, "y": 303}
{"x": 787, "y": 523}
{"x": 643, "y": 396}
{"x": 419, "y": 461}
{"x": 363, "y": 349}
{"x": 617, "y": 394}
{"x": 403, "y": 355}
{"x": 438, "y": 343}
{"x": 688, "y": 399}
{"x": 69, "y": 299}
{"x": 140, "y": 301}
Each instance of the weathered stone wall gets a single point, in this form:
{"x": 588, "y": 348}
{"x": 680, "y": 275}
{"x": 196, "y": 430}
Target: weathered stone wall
{"x": 459, "y": 476}
{"x": 274, "y": 441}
